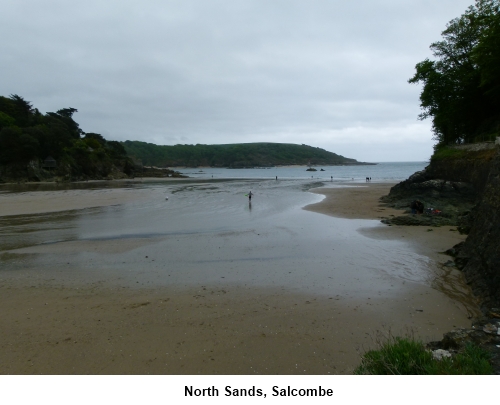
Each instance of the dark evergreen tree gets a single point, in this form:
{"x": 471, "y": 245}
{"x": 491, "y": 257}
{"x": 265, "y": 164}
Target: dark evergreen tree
{"x": 459, "y": 86}
{"x": 27, "y": 136}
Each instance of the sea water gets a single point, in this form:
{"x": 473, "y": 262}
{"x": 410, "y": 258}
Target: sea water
{"x": 379, "y": 172}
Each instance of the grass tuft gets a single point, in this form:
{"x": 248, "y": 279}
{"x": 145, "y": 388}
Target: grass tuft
{"x": 407, "y": 356}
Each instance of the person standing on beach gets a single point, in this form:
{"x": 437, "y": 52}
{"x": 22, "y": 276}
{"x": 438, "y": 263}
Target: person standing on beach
{"x": 413, "y": 207}
{"x": 250, "y": 196}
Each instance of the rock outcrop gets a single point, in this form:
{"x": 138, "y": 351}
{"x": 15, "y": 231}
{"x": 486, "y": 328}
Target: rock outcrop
{"x": 453, "y": 199}
{"x": 466, "y": 189}
{"x": 65, "y": 172}
{"x": 484, "y": 332}
{"x": 479, "y": 256}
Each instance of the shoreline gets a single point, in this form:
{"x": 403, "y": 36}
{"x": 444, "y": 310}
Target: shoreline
{"x": 55, "y": 327}
{"x": 362, "y": 202}
{"x": 431, "y": 242}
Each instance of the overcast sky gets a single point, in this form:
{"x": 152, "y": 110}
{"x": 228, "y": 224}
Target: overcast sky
{"x": 326, "y": 73}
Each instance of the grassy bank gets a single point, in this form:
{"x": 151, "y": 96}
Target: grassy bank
{"x": 452, "y": 153}
{"x": 408, "y": 356}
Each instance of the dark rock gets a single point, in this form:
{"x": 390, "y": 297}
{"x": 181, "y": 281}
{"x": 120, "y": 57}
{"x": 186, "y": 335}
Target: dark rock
{"x": 419, "y": 220}
{"x": 467, "y": 192}
{"x": 157, "y": 172}
{"x": 418, "y": 177}
{"x": 452, "y": 199}
{"x": 482, "y": 246}
{"x": 483, "y": 333}
{"x": 455, "y": 250}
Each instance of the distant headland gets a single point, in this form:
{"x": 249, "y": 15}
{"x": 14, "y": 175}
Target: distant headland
{"x": 241, "y": 155}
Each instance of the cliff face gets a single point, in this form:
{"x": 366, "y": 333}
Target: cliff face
{"x": 465, "y": 186}
{"x": 471, "y": 166}
{"x": 479, "y": 258}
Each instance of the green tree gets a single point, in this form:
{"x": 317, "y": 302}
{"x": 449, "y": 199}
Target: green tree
{"x": 22, "y": 109}
{"x": 65, "y": 116}
{"x": 17, "y": 148}
{"x": 116, "y": 150}
{"x": 456, "y": 84}
{"x": 96, "y": 137}
{"x": 26, "y": 135}
{"x": 6, "y": 120}
{"x": 487, "y": 57}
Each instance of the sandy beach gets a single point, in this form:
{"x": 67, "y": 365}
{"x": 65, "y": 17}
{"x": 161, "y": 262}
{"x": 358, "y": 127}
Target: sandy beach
{"x": 53, "y": 326}
{"x": 339, "y": 202}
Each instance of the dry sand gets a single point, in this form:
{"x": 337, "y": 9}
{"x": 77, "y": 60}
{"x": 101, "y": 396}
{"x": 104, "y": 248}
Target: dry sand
{"x": 53, "y": 328}
{"x": 354, "y": 201}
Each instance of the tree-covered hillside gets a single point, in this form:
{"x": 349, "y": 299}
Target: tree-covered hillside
{"x": 28, "y": 138}
{"x": 461, "y": 87}
{"x": 233, "y": 155}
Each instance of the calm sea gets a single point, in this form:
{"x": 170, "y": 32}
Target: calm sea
{"x": 381, "y": 172}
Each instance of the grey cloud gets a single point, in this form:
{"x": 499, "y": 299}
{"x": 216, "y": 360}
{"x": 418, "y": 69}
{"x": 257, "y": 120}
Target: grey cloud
{"x": 224, "y": 71}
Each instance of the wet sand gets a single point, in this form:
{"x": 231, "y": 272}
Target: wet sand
{"x": 362, "y": 202}
{"x": 38, "y": 202}
{"x": 53, "y": 327}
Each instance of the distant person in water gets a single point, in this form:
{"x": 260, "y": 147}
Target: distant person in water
{"x": 250, "y": 196}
